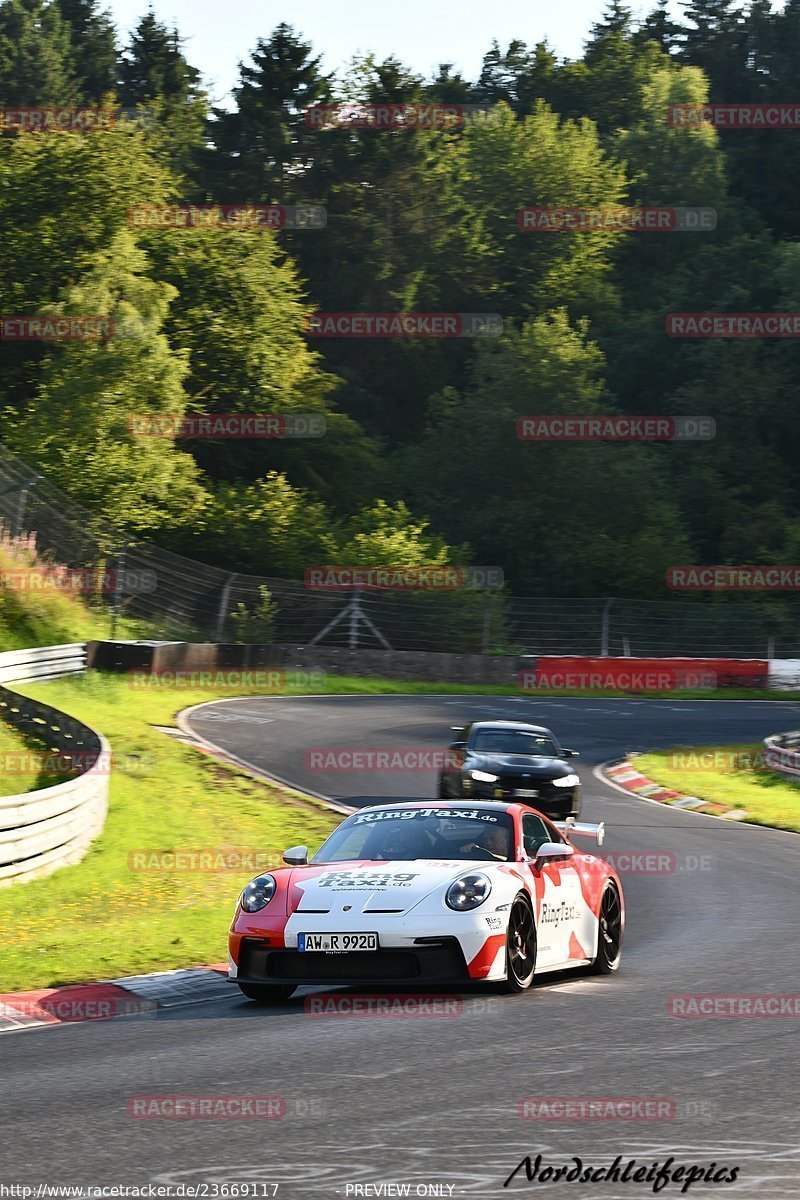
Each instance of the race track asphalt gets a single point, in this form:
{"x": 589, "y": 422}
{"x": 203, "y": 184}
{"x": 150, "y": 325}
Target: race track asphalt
{"x": 434, "y": 1103}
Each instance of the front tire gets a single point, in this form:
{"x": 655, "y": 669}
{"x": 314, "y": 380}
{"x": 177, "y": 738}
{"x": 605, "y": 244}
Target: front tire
{"x": 520, "y": 948}
{"x": 267, "y": 993}
{"x": 609, "y": 935}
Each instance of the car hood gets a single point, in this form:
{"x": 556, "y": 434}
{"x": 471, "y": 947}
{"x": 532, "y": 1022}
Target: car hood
{"x": 375, "y": 887}
{"x": 514, "y": 764}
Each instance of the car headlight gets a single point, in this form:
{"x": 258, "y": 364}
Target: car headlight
{"x": 567, "y": 781}
{"x": 484, "y": 777}
{"x": 468, "y": 892}
{"x": 258, "y": 893}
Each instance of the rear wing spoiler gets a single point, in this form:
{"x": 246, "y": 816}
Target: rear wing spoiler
{"x": 584, "y": 828}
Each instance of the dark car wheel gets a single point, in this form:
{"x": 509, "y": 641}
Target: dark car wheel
{"x": 520, "y": 947}
{"x": 267, "y": 993}
{"x": 609, "y": 940}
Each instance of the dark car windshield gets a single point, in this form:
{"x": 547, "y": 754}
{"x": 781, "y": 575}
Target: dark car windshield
{"x": 513, "y": 741}
{"x": 409, "y": 833}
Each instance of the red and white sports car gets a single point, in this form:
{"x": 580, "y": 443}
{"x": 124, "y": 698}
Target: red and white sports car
{"x": 430, "y": 892}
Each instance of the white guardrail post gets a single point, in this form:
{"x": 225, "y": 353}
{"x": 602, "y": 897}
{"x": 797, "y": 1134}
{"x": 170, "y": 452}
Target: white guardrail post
{"x": 51, "y": 827}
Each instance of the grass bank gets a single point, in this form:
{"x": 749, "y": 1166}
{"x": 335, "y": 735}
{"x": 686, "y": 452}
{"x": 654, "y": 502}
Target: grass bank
{"x": 733, "y": 776}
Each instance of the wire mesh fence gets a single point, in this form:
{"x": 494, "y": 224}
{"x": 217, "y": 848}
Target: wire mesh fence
{"x": 162, "y": 595}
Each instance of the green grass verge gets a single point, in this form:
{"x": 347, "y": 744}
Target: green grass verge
{"x": 14, "y": 778}
{"x": 101, "y": 918}
{"x": 731, "y": 776}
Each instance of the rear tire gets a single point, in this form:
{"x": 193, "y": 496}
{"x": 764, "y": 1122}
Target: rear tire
{"x": 520, "y": 948}
{"x": 266, "y": 993}
{"x": 609, "y": 935}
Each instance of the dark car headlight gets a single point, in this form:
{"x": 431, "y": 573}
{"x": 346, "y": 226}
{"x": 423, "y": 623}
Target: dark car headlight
{"x": 484, "y": 777}
{"x": 468, "y": 892}
{"x": 567, "y": 781}
{"x": 258, "y": 893}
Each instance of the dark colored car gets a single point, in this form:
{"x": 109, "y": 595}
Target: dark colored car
{"x": 511, "y": 760}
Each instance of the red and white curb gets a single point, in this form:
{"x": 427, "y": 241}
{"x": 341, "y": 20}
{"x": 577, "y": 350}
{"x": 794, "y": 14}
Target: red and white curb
{"x": 133, "y": 995}
{"x": 625, "y": 775}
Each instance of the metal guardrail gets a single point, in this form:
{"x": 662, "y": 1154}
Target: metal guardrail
{"x": 782, "y": 753}
{"x": 53, "y": 826}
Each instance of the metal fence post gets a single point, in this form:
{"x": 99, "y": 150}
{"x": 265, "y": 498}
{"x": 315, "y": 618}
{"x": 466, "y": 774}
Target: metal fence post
{"x": 117, "y": 601}
{"x": 605, "y": 628}
{"x": 223, "y": 604}
{"x": 487, "y": 624}
{"x": 22, "y": 504}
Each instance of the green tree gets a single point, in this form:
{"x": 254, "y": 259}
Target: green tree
{"x": 240, "y": 313}
{"x": 36, "y": 66}
{"x": 156, "y": 76}
{"x": 558, "y": 517}
{"x": 76, "y": 427}
{"x": 267, "y": 141}
{"x": 94, "y": 49}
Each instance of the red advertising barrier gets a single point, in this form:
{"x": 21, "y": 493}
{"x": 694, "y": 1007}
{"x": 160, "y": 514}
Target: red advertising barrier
{"x": 643, "y": 674}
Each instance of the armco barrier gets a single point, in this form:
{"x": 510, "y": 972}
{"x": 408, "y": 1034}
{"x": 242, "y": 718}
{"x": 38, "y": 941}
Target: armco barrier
{"x": 782, "y": 754}
{"x": 51, "y": 827}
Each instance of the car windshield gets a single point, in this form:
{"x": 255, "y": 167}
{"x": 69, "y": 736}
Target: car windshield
{"x": 382, "y": 835}
{"x": 513, "y": 741}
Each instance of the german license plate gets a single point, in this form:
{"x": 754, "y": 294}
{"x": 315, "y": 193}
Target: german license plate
{"x": 527, "y": 793}
{"x": 333, "y": 943}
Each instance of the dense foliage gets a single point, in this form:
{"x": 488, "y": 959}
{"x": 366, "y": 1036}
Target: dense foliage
{"x": 420, "y": 461}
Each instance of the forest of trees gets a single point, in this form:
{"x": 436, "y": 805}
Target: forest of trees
{"x": 420, "y": 462}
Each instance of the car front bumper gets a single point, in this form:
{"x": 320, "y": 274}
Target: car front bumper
{"x": 553, "y": 802}
{"x": 408, "y": 965}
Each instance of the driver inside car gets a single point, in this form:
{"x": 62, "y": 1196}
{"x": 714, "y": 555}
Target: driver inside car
{"x": 405, "y": 841}
{"x": 491, "y": 843}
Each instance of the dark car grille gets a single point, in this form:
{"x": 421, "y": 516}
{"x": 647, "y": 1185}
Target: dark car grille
{"x": 443, "y": 961}
{"x": 509, "y": 784}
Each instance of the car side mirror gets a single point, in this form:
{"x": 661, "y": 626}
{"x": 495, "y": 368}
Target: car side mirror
{"x": 550, "y": 851}
{"x": 457, "y": 746}
{"x": 297, "y": 856}
{"x": 570, "y": 753}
